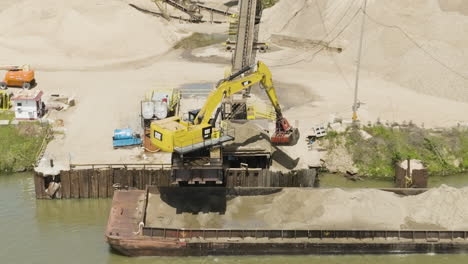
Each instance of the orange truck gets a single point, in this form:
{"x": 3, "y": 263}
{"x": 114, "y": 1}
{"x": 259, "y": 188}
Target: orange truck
{"x": 18, "y": 76}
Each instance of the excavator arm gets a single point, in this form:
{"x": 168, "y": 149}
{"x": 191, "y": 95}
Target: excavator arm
{"x": 225, "y": 88}
{"x": 231, "y": 85}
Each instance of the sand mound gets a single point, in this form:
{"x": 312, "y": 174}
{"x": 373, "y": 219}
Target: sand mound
{"x": 330, "y": 209}
{"x": 387, "y": 51}
{"x": 53, "y": 32}
{"x": 364, "y": 209}
{"x": 445, "y": 207}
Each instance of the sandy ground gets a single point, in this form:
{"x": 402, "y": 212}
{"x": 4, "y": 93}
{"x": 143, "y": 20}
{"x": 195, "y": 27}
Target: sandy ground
{"x": 316, "y": 209}
{"x": 109, "y": 55}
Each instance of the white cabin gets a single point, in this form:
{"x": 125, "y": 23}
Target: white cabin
{"x": 28, "y": 105}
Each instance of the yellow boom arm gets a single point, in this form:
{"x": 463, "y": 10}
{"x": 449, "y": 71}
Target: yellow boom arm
{"x": 228, "y": 87}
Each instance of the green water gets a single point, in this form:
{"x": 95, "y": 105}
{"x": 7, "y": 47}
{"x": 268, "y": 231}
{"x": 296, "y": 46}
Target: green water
{"x": 72, "y": 231}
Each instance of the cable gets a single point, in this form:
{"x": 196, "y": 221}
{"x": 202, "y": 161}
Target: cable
{"x": 324, "y": 38}
{"x": 340, "y": 71}
{"x": 318, "y": 51}
{"x": 418, "y": 46}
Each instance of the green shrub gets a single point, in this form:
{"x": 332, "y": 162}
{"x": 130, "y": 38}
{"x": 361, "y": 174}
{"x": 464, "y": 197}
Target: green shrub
{"x": 19, "y": 145}
{"x": 377, "y": 156}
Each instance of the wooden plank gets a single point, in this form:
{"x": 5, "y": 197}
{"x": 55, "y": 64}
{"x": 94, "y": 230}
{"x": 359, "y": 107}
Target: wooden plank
{"x": 146, "y": 178}
{"x": 166, "y": 175}
{"x": 84, "y": 183}
{"x": 139, "y": 181}
{"x": 227, "y": 178}
{"x": 162, "y": 178}
{"x": 245, "y": 179}
{"x": 260, "y": 178}
{"x": 141, "y": 175}
{"x": 36, "y": 185}
{"x": 58, "y": 194}
{"x": 271, "y": 181}
{"x": 94, "y": 184}
{"x": 39, "y": 186}
{"x": 419, "y": 178}
{"x": 268, "y": 178}
{"x": 109, "y": 174}
{"x": 282, "y": 178}
{"x": 277, "y": 178}
{"x": 74, "y": 184}
{"x": 102, "y": 183}
{"x": 131, "y": 174}
{"x": 151, "y": 177}
{"x": 65, "y": 184}
{"x": 254, "y": 175}
{"x": 159, "y": 175}
{"x": 251, "y": 178}
{"x": 123, "y": 177}
{"x": 243, "y": 176}
{"x": 117, "y": 176}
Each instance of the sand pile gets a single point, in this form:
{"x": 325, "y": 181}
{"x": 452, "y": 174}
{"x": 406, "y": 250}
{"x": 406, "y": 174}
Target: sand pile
{"x": 440, "y": 208}
{"x": 387, "y": 51}
{"x": 248, "y": 136}
{"x": 81, "y": 32}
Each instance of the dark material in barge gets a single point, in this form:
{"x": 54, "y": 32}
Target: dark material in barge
{"x": 130, "y": 232}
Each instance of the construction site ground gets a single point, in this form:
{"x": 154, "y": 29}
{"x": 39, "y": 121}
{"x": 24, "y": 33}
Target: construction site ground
{"x": 108, "y": 55}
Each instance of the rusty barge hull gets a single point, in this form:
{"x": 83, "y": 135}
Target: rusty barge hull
{"x": 127, "y": 234}
{"x": 160, "y": 247}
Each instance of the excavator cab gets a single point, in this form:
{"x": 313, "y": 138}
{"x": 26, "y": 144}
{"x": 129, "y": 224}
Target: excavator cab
{"x": 192, "y": 115}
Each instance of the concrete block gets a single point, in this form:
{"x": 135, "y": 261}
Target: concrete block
{"x": 365, "y": 135}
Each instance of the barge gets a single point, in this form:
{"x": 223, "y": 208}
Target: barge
{"x": 140, "y": 224}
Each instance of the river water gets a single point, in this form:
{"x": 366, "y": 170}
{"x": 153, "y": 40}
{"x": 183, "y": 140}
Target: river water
{"x": 72, "y": 231}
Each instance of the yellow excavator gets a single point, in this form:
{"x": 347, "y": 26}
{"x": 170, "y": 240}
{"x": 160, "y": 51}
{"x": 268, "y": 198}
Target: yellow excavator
{"x": 176, "y": 135}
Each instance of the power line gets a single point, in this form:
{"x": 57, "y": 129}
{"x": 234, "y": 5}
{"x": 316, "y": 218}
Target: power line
{"x": 412, "y": 40}
{"x": 327, "y": 34}
{"x": 340, "y": 71}
{"x": 322, "y": 48}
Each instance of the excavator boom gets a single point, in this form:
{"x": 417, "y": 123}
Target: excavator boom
{"x": 173, "y": 134}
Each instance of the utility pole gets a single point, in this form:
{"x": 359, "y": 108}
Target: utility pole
{"x": 356, "y": 87}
